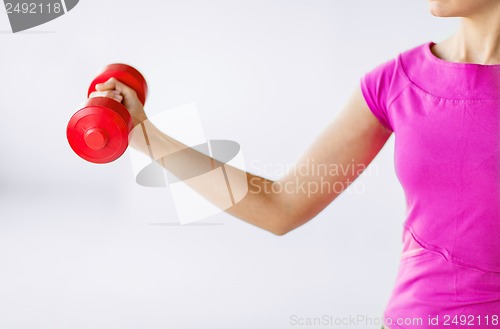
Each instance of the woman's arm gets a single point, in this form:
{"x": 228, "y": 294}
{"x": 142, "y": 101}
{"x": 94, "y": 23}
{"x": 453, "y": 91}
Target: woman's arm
{"x": 332, "y": 162}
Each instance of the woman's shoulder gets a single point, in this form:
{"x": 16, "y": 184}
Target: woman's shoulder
{"x": 404, "y": 61}
{"x": 417, "y": 53}
{"x": 395, "y": 73}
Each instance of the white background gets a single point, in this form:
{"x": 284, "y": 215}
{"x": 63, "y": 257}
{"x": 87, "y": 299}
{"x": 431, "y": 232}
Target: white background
{"x": 83, "y": 246}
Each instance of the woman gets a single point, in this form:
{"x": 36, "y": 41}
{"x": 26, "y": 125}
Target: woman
{"x": 442, "y": 102}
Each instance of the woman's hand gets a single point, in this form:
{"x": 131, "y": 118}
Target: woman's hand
{"x": 124, "y": 94}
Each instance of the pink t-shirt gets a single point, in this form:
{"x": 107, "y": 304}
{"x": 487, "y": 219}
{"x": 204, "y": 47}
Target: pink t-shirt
{"x": 446, "y": 121}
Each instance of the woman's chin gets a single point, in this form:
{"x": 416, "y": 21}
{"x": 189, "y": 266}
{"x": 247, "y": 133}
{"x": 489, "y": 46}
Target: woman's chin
{"x": 437, "y": 11}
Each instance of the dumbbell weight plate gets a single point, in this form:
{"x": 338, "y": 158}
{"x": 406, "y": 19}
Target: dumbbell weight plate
{"x": 99, "y": 131}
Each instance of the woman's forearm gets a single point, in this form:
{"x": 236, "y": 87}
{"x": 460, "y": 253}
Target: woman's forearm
{"x": 259, "y": 206}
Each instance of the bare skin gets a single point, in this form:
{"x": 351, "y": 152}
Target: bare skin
{"x": 354, "y": 138}
{"x": 478, "y": 37}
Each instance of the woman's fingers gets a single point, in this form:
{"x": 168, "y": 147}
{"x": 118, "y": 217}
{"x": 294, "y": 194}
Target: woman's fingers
{"x": 108, "y": 85}
{"x": 122, "y": 93}
{"x": 114, "y": 94}
{"x": 113, "y": 84}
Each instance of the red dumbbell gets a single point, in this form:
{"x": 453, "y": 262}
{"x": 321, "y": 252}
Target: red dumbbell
{"x": 99, "y": 131}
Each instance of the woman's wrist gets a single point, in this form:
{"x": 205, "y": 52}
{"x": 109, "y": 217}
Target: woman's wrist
{"x": 138, "y": 119}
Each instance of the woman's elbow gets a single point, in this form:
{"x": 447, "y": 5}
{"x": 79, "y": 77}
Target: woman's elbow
{"x": 279, "y": 231}
{"x": 286, "y": 225}
{"x": 290, "y": 223}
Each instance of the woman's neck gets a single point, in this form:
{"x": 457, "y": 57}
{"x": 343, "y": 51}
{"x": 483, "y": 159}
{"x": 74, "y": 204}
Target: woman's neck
{"x": 476, "y": 41}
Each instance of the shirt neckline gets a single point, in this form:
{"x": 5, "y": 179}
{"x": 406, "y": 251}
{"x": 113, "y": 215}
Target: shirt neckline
{"x": 440, "y": 61}
{"x": 452, "y": 81}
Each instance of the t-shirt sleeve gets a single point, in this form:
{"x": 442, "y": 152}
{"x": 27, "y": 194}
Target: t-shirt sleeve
{"x": 376, "y": 89}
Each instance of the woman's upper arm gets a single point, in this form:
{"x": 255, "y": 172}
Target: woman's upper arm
{"x": 339, "y": 154}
